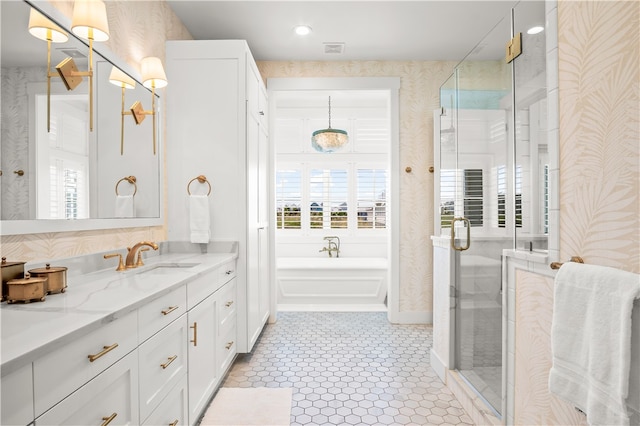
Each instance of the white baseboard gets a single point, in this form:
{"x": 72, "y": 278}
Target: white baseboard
{"x": 332, "y": 307}
{"x": 438, "y": 366}
{"x": 416, "y": 317}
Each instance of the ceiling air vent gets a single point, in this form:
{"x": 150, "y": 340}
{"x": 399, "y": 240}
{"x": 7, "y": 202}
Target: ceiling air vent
{"x": 74, "y": 53}
{"x": 334, "y": 48}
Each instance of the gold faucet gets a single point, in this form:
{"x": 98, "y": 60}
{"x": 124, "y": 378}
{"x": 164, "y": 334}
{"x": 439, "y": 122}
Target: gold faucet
{"x": 130, "y": 262}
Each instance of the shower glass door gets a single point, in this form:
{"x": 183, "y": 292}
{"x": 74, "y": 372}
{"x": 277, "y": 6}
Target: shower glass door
{"x": 482, "y": 209}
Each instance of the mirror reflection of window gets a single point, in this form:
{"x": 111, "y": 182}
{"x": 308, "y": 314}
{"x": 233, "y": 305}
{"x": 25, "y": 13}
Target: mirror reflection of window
{"x": 62, "y": 167}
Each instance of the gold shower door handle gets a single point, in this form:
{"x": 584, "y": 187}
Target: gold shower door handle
{"x": 453, "y": 233}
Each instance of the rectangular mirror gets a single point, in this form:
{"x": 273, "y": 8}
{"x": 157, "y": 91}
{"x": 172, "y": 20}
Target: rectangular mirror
{"x": 70, "y": 178}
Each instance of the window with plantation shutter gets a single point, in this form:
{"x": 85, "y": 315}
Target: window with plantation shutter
{"x": 288, "y": 199}
{"x": 473, "y": 193}
{"x": 502, "y": 194}
{"x": 461, "y": 194}
{"x": 372, "y": 198}
{"x": 328, "y": 196}
{"x": 67, "y": 159}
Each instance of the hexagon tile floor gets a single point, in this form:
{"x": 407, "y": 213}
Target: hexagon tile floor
{"x": 350, "y": 368}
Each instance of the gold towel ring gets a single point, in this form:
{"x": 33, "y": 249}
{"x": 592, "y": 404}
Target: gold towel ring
{"x": 201, "y": 179}
{"x": 131, "y": 180}
{"x": 557, "y": 265}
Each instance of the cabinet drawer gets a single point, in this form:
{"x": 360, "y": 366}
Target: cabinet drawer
{"x": 227, "y": 271}
{"x": 17, "y": 397}
{"x": 226, "y": 306}
{"x": 112, "y": 394}
{"x": 173, "y": 408}
{"x": 64, "y": 370}
{"x": 160, "y": 312}
{"x": 163, "y": 363}
{"x": 203, "y": 286}
{"x": 227, "y": 348}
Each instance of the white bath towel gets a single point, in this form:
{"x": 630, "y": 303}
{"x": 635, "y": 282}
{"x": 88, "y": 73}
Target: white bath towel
{"x": 125, "y": 206}
{"x": 591, "y": 340}
{"x": 199, "y": 220}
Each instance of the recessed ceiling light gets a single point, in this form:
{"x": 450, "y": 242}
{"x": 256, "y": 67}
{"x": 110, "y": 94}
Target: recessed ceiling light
{"x": 535, "y": 30}
{"x": 302, "y": 30}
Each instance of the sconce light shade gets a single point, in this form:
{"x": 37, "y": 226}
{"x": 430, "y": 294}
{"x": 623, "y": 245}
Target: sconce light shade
{"x": 120, "y": 79}
{"x": 42, "y": 28}
{"x": 90, "y": 20}
{"x": 153, "y": 75}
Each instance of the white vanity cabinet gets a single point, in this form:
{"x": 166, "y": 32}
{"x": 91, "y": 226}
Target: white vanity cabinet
{"x": 155, "y": 363}
{"x": 62, "y": 371}
{"x": 217, "y": 127}
{"x": 17, "y": 397}
{"x": 212, "y": 325}
{"x": 203, "y": 373}
{"x": 172, "y": 411}
{"x": 163, "y": 363}
{"x": 112, "y": 395}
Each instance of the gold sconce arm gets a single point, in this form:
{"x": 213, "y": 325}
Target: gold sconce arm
{"x": 153, "y": 77}
{"x": 89, "y": 22}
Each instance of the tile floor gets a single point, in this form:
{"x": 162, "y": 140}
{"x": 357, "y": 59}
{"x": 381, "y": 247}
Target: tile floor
{"x": 350, "y": 368}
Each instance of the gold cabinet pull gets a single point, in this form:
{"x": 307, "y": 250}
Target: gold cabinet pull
{"x": 195, "y": 334}
{"x": 228, "y": 345}
{"x": 229, "y": 303}
{"x": 104, "y": 351}
{"x": 174, "y": 423}
{"x": 169, "y": 361}
{"x": 168, "y": 311}
{"x": 107, "y": 420}
{"x": 453, "y": 234}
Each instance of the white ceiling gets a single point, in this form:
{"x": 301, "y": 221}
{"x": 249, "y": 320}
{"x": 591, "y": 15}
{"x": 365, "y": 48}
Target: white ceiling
{"x": 371, "y": 30}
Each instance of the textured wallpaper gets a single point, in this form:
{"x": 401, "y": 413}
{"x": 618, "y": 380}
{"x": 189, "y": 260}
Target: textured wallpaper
{"x": 599, "y": 103}
{"x": 534, "y": 405}
{"x": 599, "y": 112}
{"x": 419, "y": 96}
{"x": 138, "y": 29}
{"x": 15, "y": 138}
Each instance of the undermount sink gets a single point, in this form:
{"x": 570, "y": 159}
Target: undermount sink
{"x": 167, "y": 267}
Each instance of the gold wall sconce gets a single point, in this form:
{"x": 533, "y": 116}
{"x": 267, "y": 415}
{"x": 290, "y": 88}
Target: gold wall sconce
{"x": 42, "y": 28}
{"x": 120, "y": 79}
{"x": 89, "y": 21}
{"x": 153, "y": 77}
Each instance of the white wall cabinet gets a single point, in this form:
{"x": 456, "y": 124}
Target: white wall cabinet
{"x": 216, "y": 125}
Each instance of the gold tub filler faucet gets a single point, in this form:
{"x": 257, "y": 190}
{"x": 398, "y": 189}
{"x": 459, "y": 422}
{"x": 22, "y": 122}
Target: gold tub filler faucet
{"x": 332, "y": 246}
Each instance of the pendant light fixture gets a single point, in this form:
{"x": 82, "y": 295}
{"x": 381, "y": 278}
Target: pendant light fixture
{"x": 329, "y": 140}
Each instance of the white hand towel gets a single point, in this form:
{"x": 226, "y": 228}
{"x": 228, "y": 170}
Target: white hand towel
{"x": 199, "y": 220}
{"x": 591, "y": 340}
{"x": 124, "y": 206}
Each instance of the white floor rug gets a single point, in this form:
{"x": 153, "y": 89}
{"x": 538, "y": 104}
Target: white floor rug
{"x": 250, "y": 406}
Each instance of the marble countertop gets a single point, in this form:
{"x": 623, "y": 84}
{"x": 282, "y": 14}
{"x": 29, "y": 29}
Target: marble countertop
{"x": 31, "y": 330}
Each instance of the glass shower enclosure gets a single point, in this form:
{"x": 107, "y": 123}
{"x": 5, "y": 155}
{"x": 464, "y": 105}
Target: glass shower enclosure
{"x": 492, "y": 185}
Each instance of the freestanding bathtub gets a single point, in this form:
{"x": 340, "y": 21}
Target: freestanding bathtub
{"x": 324, "y": 282}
